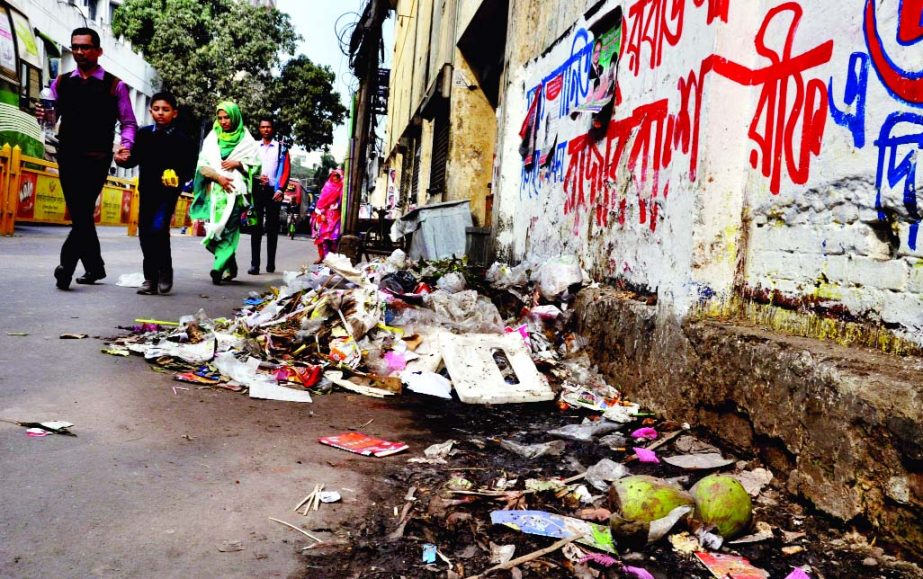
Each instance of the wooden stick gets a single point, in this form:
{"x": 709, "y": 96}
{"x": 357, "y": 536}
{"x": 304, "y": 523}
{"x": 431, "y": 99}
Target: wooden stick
{"x": 530, "y": 557}
{"x": 306, "y": 499}
{"x": 302, "y": 531}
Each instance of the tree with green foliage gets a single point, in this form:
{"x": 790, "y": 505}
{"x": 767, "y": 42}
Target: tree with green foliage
{"x": 322, "y": 170}
{"x": 205, "y": 51}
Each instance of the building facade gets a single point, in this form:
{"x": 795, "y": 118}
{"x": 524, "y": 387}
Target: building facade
{"x": 705, "y": 151}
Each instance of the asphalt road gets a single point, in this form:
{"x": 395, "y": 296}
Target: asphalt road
{"x": 156, "y": 478}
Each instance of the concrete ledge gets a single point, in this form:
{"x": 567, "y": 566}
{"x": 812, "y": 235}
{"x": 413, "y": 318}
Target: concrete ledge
{"x": 843, "y": 426}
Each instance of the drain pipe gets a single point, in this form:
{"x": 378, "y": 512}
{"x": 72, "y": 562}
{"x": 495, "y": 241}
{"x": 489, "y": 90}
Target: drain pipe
{"x": 448, "y": 48}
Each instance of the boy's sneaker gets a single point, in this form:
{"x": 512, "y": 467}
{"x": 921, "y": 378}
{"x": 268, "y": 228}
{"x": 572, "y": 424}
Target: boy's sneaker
{"x": 148, "y": 288}
{"x": 165, "y": 283}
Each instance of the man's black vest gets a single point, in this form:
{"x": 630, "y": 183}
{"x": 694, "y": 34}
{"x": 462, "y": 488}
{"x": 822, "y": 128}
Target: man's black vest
{"x": 89, "y": 109}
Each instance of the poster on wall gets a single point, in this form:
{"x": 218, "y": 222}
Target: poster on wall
{"x": 7, "y": 46}
{"x": 603, "y": 68}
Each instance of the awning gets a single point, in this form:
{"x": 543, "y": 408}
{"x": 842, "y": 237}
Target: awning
{"x": 52, "y": 48}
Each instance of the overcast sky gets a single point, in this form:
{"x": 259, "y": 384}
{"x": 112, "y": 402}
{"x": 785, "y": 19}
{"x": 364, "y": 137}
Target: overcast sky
{"x": 316, "y": 22}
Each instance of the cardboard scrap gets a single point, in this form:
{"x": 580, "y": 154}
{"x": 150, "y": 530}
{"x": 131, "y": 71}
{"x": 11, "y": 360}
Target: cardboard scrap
{"x": 478, "y": 379}
{"x": 556, "y": 526}
{"x": 363, "y": 444}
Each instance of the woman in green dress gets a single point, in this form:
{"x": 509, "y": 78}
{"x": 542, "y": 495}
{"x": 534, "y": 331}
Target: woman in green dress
{"x": 224, "y": 175}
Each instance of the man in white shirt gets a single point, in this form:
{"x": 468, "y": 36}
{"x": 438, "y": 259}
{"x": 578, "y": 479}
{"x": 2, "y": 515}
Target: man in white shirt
{"x": 268, "y": 191}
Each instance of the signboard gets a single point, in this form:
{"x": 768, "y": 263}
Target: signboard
{"x": 7, "y": 46}
{"x": 41, "y": 199}
{"x": 28, "y": 47}
{"x": 380, "y": 96}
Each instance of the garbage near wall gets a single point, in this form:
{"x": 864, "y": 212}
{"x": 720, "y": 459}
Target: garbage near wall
{"x": 558, "y": 476}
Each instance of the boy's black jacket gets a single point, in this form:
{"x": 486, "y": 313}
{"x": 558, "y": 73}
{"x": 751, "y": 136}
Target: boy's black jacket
{"x": 157, "y": 149}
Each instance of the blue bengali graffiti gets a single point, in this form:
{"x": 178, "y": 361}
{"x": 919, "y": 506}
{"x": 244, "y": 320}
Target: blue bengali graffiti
{"x": 899, "y": 144}
{"x": 855, "y": 97}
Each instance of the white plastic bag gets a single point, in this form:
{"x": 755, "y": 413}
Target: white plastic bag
{"x": 556, "y": 275}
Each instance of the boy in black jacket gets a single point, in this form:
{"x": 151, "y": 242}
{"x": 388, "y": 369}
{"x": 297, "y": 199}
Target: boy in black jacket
{"x": 167, "y": 159}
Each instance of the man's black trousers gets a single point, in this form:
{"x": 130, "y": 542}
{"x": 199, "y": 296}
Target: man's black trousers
{"x": 82, "y": 178}
{"x": 267, "y": 212}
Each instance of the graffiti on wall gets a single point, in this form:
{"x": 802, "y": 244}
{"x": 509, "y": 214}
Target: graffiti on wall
{"x": 900, "y": 137}
{"x": 639, "y": 146}
{"x": 658, "y": 24}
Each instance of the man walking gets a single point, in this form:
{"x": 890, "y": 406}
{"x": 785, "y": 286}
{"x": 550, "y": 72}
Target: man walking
{"x": 268, "y": 191}
{"x": 89, "y": 101}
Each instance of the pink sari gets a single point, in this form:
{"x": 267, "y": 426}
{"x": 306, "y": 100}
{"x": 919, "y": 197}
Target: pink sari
{"x": 326, "y": 219}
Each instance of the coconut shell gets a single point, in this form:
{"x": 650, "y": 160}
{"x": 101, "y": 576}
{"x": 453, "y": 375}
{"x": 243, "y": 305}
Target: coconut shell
{"x": 722, "y": 502}
{"x": 646, "y": 498}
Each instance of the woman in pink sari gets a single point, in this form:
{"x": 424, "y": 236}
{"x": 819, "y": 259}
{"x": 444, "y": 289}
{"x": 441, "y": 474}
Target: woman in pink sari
{"x": 326, "y": 219}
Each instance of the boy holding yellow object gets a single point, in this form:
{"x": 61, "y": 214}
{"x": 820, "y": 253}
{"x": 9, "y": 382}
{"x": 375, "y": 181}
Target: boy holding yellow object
{"x": 167, "y": 160}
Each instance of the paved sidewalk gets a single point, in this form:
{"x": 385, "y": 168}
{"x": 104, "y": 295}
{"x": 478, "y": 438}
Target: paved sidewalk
{"x": 156, "y": 479}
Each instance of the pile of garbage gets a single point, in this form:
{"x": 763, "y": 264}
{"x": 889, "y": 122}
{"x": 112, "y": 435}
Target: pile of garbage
{"x": 376, "y": 330}
{"x": 579, "y": 482}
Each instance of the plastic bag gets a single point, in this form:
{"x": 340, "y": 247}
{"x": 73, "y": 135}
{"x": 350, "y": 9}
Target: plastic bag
{"x": 452, "y": 282}
{"x": 531, "y": 451}
{"x": 502, "y": 276}
{"x": 556, "y": 275}
{"x": 399, "y": 282}
{"x": 585, "y": 431}
{"x": 465, "y": 311}
{"x": 130, "y": 280}
{"x": 604, "y": 472}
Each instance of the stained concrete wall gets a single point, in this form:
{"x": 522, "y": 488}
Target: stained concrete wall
{"x": 767, "y": 146}
{"x": 840, "y": 427}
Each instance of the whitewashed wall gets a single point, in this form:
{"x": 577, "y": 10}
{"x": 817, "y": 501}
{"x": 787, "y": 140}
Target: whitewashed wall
{"x": 744, "y": 151}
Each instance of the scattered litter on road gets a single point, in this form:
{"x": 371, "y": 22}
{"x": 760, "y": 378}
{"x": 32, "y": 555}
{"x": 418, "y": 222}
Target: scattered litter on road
{"x": 359, "y": 443}
{"x": 17, "y": 334}
{"x": 73, "y": 336}
{"x": 51, "y": 426}
{"x": 578, "y": 464}
{"x": 730, "y": 566}
{"x": 130, "y": 279}
{"x": 230, "y": 546}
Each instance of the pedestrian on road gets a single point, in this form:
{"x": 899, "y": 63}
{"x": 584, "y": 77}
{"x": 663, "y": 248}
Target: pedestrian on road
{"x": 167, "y": 159}
{"x": 268, "y": 191}
{"x": 88, "y": 101}
{"x": 326, "y": 219}
{"x": 227, "y": 164}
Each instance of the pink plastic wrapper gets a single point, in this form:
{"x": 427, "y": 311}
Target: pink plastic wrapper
{"x": 645, "y": 455}
{"x": 638, "y": 572}
{"x": 646, "y": 433}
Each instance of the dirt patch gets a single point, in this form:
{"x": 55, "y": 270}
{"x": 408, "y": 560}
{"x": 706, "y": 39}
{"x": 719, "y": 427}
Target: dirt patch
{"x": 459, "y": 525}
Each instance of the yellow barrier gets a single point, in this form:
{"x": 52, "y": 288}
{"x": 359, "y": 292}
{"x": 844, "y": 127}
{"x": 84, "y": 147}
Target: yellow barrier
{"x": 30, "y": 191}
{"x": 7, "y": 202}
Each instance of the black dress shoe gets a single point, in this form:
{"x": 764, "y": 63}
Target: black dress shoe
{"x": 165, "y": 282}
{"x": 216, "y": 276}
{"x": 90, "y": 278}
{"x": 62, "y": 280}
{"x": 255, "y": 271}
{"x": 271, "y": 268}
{"x": 148, "y": 288}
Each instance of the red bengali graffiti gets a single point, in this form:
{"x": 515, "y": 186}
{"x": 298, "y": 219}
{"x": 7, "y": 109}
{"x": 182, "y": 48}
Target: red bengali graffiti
{"x": 903, "y": 84}
{"x": 716, "y": 9}
{"x": 659, "y": 23}
{"x": 787, "y": 129}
